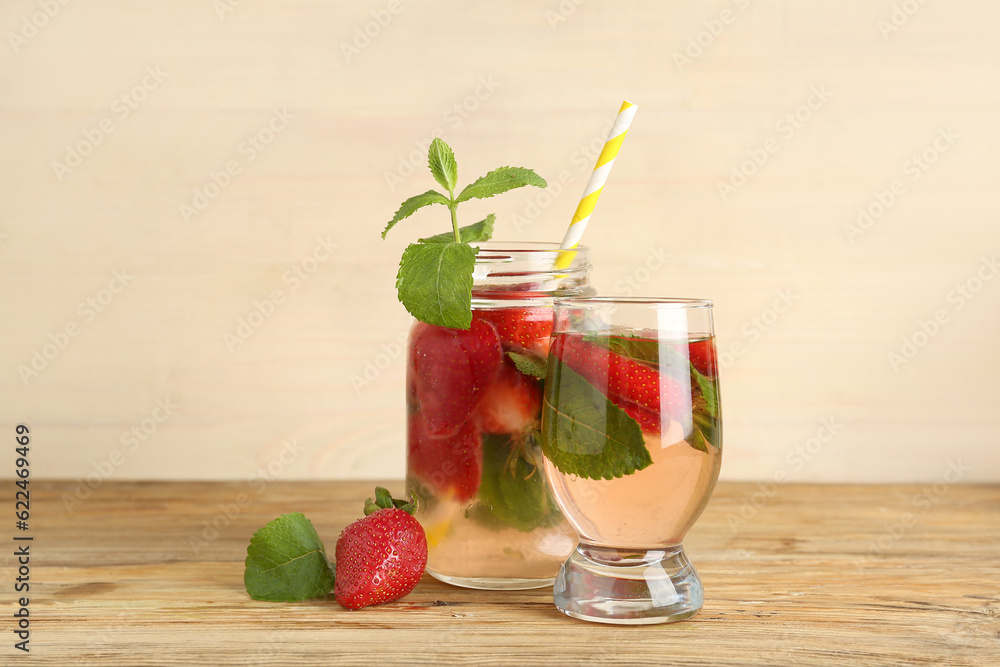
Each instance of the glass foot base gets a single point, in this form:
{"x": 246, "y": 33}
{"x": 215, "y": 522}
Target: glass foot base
{"x": 493, "y": 583}
{"x": 628, "y": 587}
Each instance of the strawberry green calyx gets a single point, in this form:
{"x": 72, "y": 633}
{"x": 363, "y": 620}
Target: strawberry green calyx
{"x": 434, "y": 282}
{"x": 384, "y": 500}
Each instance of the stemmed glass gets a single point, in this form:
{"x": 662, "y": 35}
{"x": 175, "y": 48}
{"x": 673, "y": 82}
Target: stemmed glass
{"x": 632, "y": 440}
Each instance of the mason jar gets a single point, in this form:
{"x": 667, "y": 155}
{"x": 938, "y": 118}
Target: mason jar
{"x": 473, "y": 403}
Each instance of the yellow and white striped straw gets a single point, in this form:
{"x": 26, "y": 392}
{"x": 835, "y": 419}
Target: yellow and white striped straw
{"x": 596, "y": 183}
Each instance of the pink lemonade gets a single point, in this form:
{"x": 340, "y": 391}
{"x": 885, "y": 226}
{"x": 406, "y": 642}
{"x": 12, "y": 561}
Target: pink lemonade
{"x": 643, "y": 487}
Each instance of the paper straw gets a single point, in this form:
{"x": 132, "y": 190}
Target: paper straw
{"x": 596, "y": 183}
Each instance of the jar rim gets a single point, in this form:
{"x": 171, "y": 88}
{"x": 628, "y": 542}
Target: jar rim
{"x": 526, "y": 246}
{"x": 529, "y": 258}
{"x": 529, "y": 269}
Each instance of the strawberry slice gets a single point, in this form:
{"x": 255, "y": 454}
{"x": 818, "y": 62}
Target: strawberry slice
{"x": 511, "y": 404}
{"x": 702, "y": 356}
{"x": 649, "y": 420}
{"x": 449, "y": 465}
{"x": 450, "y": 368}
{"x": 636, "y": 388}
{"x": 524, "y": 330}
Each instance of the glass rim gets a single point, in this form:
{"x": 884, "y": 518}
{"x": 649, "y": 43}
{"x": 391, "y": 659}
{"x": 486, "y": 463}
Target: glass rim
{"x": 660, "y": 301}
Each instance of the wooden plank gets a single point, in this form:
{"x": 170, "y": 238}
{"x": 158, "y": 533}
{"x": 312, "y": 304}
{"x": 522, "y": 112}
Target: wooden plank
{"x": 129, "y": 575}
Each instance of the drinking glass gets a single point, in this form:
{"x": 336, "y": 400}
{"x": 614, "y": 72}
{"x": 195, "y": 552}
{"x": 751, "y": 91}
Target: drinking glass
{"x": 632, "y": 441}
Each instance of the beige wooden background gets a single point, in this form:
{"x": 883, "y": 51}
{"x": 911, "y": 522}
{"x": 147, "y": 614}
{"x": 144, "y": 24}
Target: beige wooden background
{"x": 317, "y": 121}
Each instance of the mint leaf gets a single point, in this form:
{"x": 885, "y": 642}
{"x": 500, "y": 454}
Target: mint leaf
{"x": 697, "y": 440}
{"x": 585, "y": 434}
{"x": 286, "y": 562}
{"x": 411, "y": 205}
{"x": 512, "y": 492}
{"x": 500, "y": 180}
{"x": 441, "y": 160}
{"x": 706, "y": 430}
{"x": 434, "y": 283}
{"x": 481, "y": 231}
{"x": 645, "y": 350}
{"x": 708, "y": 392}
{"x": 529, "y": 365}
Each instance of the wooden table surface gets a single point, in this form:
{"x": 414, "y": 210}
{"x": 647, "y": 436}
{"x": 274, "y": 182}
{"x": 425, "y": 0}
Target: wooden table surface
{"x": 816, "y": 575}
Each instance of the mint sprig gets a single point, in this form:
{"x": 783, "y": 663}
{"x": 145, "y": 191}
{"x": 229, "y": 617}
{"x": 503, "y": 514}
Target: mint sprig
{"x": 286, "y": 562}
{"x": 434, "y": 282}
